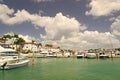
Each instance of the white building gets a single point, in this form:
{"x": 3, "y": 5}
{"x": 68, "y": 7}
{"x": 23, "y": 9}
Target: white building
{"x": 30, "y": 46}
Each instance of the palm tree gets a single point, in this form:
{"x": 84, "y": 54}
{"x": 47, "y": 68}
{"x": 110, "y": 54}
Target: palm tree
{"x": 7, "y": 36}
{"x": 19, "y": 41}
{"x": 15, "y": 36}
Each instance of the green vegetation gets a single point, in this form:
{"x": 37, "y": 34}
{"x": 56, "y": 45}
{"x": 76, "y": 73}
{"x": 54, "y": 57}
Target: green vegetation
{"x": 48, "y": 45}
{"x": 16, "y": 39}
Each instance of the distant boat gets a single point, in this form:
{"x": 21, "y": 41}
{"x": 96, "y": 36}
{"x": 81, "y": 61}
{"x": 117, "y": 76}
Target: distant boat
{"x": 91, "y": 55}
{"x": 45, "y": 53}
{"x": 67, "y": 54}
{"x": 51, "y": 54}
{"x": 59, "y": 55}
{"x": 80, "y": 55}
{"x": 103, "y": 55}
{"x": 42, "y": 54}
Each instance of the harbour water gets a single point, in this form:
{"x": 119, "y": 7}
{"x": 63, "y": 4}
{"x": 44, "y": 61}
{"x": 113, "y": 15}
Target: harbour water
{"x": 66, "y": 69}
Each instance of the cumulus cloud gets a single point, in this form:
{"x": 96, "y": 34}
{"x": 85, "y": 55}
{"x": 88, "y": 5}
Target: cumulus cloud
{"x": 115, "y": 27}
{"x": 55, "y": 27}
{"x": 87, "y": 40}
{"x": 65, "y": 31}
{"x": 59, "y": 26}
{"x": 103, "y": 7}
{"x": 17, "y": 18}
{"x": 27, "y": 38}
{"x": 5, "y": 12}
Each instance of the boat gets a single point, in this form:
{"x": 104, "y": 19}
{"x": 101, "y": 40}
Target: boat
{"x": 8, "y": 52}
{"x": 9, "y": 58}
{"x": 91, "y": 55}
{"x": 12, "y": 65}
{"x": 80, "y": 55}
{"x": 59, "y": 55}
{"x": 51, "y": 54}
{"x": 45, "y": 53}
{"x": 67, "y": 54}
{"x": 103, "y": 55}
{"x": 42, "y": 54}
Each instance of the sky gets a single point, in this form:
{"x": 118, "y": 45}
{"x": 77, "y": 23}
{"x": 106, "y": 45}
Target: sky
{"x": 70, "y": 24}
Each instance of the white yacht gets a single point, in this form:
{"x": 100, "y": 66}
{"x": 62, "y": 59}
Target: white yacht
{"x": 91, "y": 55}
{"x": 103, "y": 55}
{"x": 42, "y": 54}
{"x": 9, "y": 58}
{"x": 59, "y": 55}
{"x": 80, "y": 55}
{"x": 51, "y": 54}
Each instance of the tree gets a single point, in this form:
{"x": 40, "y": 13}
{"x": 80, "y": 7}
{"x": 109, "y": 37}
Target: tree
{"x": 7, "y": 36}
{"x": 15, "y": 36}
{"x": 48, "y": 45}
{"x": 19, "y": 41}
{"x": 33, "y": 41}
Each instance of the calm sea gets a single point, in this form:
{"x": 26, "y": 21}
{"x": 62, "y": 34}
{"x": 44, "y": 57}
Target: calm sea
{"x": 66, "y": 69}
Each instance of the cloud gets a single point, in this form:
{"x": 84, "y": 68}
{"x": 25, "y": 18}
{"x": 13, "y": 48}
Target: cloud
{"x": 55, "y": 27}
{"x": 43, "y": 1}
{"x": 115, "y": 27}
{"x": 8, "y": 16}
{"x": 41, "y": 12}
{"x": 87, "y": 40}
{"x": 64, "y": 31}
{"x": 59, "y": 26}
{"x": 5, "y": 12}
{"x": 103, "y": 7}
{"x": 27, "y": 38}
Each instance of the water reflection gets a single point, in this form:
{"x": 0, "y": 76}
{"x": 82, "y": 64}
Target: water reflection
{"x": 65, "y": 69}
{"x": 3, "y": 74}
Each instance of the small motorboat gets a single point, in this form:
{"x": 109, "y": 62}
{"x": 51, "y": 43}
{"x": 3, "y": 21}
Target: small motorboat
{"x": 103, "y": 55}
{"x": 80, "y": 55}
{"x": 12, "y": 65}
{"x": 91, "y": 55}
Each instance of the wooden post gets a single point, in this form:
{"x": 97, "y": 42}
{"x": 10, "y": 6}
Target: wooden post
{"x": 97, "y": 55}
{"x": 18, "y": 56}
{"x": 111, "y": 55}
{"x": 33, "y": 58}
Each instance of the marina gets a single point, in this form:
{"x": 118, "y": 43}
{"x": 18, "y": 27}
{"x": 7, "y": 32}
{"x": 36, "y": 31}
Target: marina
{"x": 65, "y": 69}
{"x": 59, "y": 39}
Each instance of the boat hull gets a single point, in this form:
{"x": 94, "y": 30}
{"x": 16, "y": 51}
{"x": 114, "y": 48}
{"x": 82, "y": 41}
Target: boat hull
{"x": 91, "y": 55}
{"x": 103, "y": 56}
{"x": 80, "y": 56}
{"x": 15, "y": 65}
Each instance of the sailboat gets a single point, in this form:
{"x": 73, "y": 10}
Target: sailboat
{"x": 8, "y": 61}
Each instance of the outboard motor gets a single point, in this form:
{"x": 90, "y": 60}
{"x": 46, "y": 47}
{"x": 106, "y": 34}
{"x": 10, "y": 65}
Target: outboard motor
{"x": 3, "y": 66}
